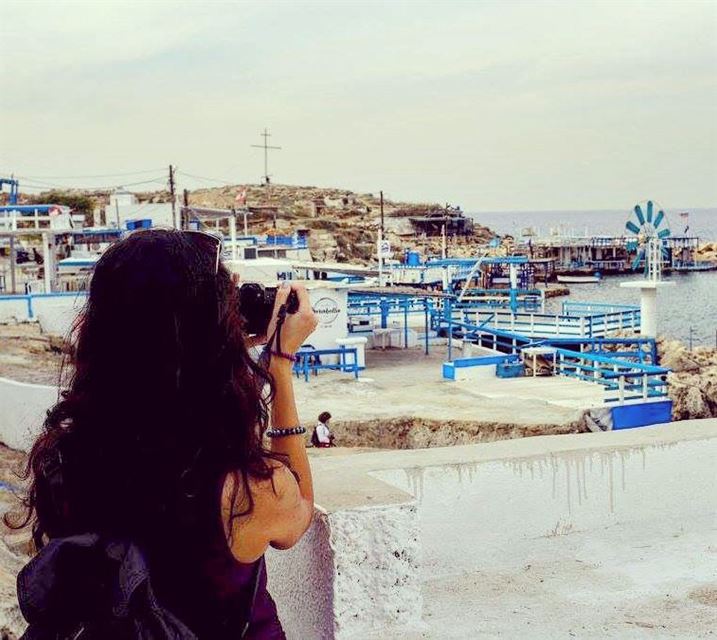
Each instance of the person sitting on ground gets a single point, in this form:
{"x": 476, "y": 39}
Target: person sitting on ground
{"x": 322, "y": 436}
{"x": 155, "y": 454}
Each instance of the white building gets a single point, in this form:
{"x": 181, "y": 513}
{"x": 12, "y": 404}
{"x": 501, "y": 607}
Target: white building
{"x": 124, "y": 206}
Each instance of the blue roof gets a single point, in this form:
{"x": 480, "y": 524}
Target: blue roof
{"x": 450, "y": 262}
{"x": 110, "y": 231}
{"x": 29, "y": 208}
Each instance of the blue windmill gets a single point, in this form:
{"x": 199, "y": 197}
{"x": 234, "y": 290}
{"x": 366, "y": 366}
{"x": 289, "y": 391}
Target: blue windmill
{"x": 646, "y": 226}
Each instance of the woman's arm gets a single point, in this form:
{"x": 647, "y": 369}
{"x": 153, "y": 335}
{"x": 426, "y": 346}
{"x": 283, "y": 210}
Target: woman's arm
{"x": 284, "y": 505}
{"x": 284, "y": 415}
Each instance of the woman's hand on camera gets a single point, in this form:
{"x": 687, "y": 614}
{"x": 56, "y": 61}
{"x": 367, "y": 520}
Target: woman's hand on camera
{"x": 297, "y": 326}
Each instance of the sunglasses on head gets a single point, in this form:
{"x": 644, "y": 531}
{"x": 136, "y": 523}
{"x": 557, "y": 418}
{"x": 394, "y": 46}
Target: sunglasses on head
{"x": 217, "y": 243}
{"x": 207, "y": 241}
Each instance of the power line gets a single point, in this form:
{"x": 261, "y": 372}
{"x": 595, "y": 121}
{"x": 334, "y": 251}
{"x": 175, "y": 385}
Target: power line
{"x": 30, "y": 182}
{"x": 103, "y": 175}
{"x": 196, "y": 177}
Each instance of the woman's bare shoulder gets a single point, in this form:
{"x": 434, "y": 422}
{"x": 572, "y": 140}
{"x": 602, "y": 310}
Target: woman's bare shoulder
{"x": 252, "y": 525}
{"x": 274, "y": 491}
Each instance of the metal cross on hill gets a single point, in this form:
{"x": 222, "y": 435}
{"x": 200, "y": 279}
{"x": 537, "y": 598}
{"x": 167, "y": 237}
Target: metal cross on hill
{"x": 266, "y": 146}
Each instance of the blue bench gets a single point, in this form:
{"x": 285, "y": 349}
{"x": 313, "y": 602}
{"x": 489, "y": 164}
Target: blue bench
{"x": 449, "y": 368}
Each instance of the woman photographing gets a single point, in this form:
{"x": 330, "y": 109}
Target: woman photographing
{"x": 159, "y": 443}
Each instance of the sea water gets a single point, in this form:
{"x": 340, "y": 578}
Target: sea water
{"x": 686, "y": 311}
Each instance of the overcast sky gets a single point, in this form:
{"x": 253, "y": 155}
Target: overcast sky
{"x": 491, "y": 105}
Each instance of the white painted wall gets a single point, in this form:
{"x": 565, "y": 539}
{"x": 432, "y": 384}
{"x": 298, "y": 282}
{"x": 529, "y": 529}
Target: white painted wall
{"x": 13, "y": 309}
{"x": 473, "y": 511}
{"x": 159, "y": 213}
{"x": 55, "y": 313}
{"x": 330, "y": 306}
{"x": 305, "y": 613}
{"x": 22, "y": 411}
{"x": 355, "y": 572}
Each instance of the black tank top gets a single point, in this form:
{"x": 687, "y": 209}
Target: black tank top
{"x": 198, "y": 579}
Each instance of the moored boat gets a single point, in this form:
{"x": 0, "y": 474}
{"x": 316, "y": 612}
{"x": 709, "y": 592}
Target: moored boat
{"x": 568, "y": 279}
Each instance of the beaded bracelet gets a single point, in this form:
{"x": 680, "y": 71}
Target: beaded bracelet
{"x": 280, "y": 433}
{"x": 287, "y": 356}
{"x": 267, "y": 353}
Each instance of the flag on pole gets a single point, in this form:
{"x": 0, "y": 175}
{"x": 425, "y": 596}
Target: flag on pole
{"x": 241, "y": 197}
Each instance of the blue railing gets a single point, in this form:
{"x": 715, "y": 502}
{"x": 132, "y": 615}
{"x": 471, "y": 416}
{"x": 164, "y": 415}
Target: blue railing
{"x": 530, "y": 300}
{"x": 363, "y": 310}
{"x": 551, "y": 325}
{"x": 310, "y": 361}
{"x": 637, "y": 349}
{"x": 630, "y": 380}
{"x": 571, "y": 308}
{"x": 503, "y": 341}
{"x": 618, "y": 364}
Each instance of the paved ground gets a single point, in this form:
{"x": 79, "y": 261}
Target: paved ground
{"x": 406, "y": 384}
{"x": 28, "y": 356}
{"x": 629, "y": 584}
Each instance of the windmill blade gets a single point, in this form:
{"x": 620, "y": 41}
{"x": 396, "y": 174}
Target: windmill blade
{"x": 659, "y": 218}
{"x": 649, "y": 210}
{"x": 631, "y": 226}
{"x": 638, "y": 259}
{"x": 639, "y": 214}
{"x": 664, "y": 233}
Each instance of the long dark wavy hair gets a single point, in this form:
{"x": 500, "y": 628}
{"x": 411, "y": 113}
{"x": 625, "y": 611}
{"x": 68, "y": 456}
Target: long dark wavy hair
{"x": 161, "y": 402}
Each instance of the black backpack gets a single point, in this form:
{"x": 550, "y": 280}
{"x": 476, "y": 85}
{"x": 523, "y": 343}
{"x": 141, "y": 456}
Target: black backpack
{"x": 86, "y": 588}
{"x": 90, "y": 587}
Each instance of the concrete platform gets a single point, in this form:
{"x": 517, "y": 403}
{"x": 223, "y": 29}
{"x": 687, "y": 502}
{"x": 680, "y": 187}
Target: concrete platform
{"x": 407, "y": 383}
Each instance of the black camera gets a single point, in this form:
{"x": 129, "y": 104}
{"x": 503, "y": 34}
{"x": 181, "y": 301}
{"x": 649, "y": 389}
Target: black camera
{"x": 256, "y": 304}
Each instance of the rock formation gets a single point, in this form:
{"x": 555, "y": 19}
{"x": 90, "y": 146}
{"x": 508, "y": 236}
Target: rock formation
{"x": 707, "y": 252}
{"x": 693, "y": 381}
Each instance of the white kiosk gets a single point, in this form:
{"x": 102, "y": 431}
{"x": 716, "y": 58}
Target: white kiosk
{"x": 649, "y": 287}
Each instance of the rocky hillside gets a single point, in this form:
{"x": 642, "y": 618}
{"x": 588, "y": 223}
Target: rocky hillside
{"x": 344, "y": 224}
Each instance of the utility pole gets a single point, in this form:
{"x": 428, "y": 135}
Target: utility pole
{"x": 266, "y": 146}
{"x": 381, "y": 211}
{"x": 174, "y": 197}
{"x": 183, "y": 212}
